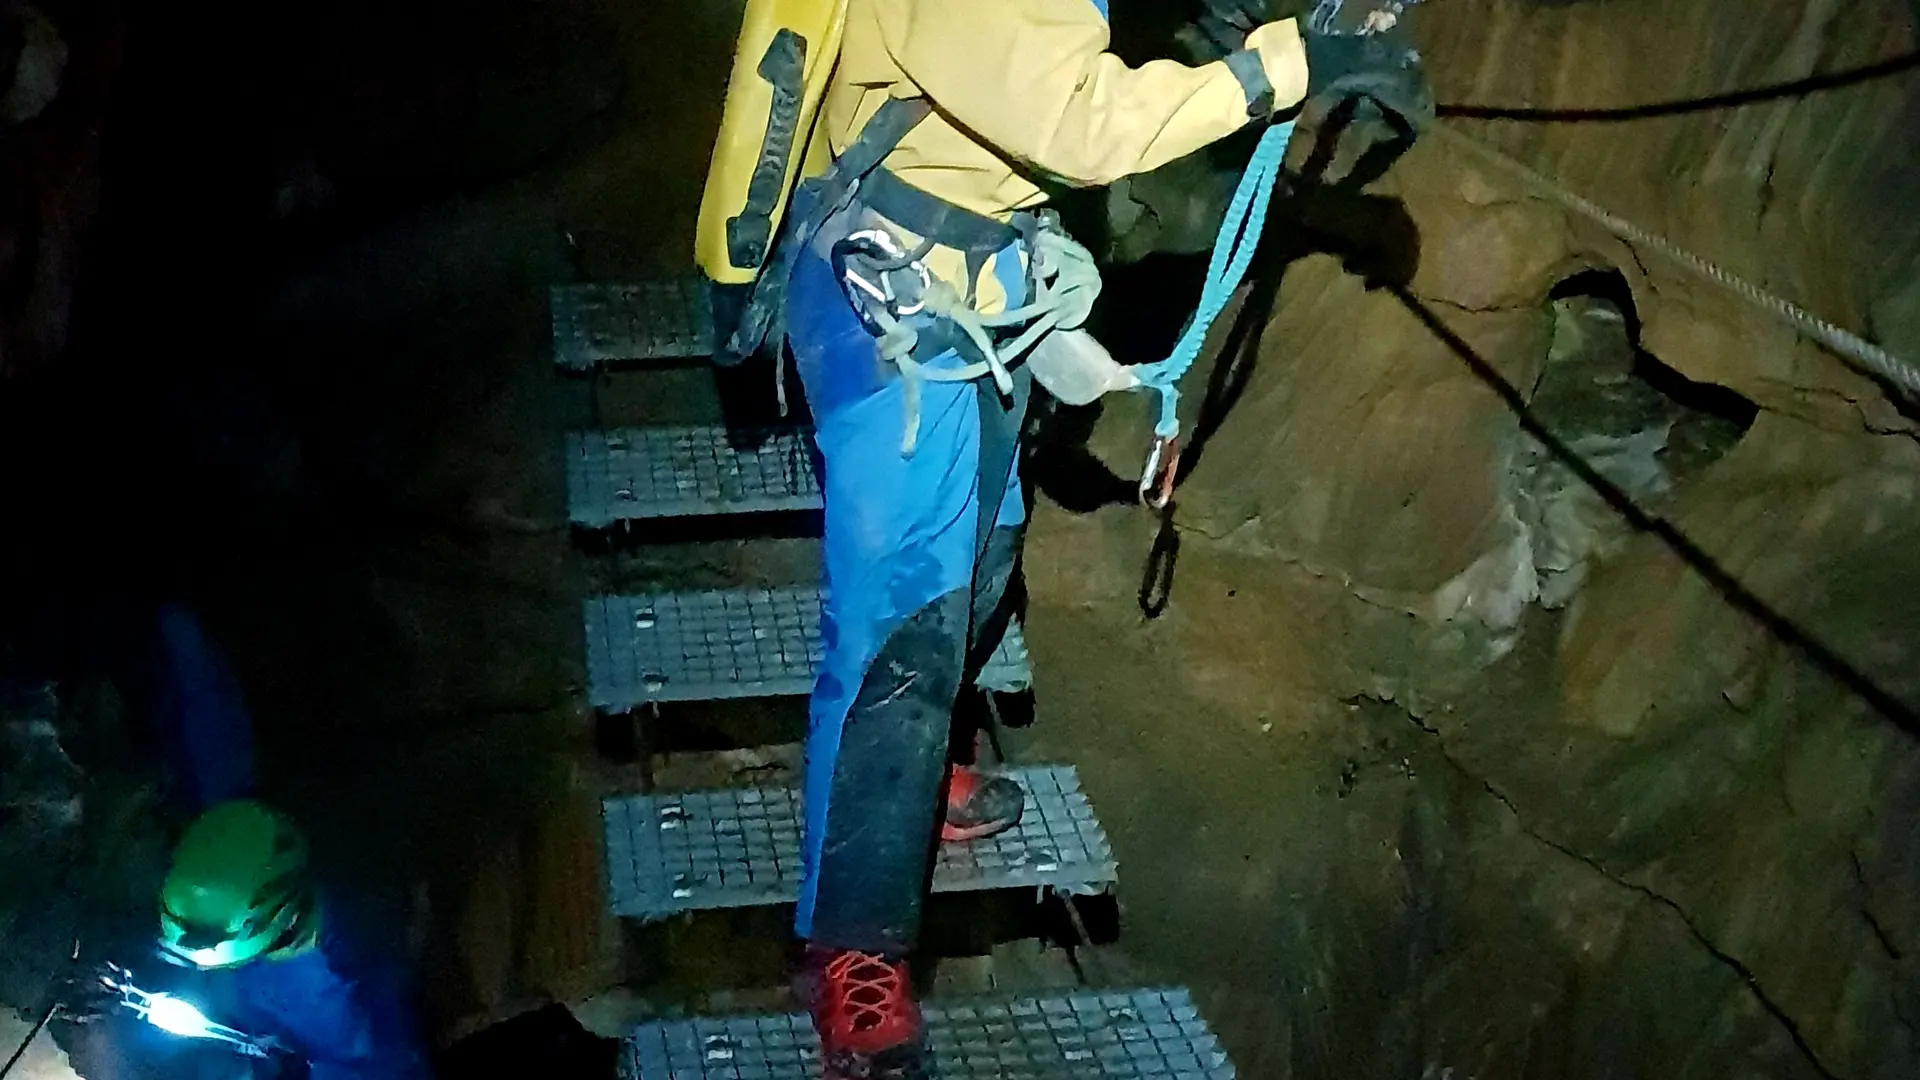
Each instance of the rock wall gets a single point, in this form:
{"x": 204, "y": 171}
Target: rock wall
{"x": 1673, "y": 830}
{"x": 1792, "y": 194}
{"x": 57, "y": 75}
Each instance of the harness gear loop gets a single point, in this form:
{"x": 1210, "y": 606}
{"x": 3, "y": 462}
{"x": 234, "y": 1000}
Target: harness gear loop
{"x": 1065, "y": 284}
{"x": 884, "y": 259}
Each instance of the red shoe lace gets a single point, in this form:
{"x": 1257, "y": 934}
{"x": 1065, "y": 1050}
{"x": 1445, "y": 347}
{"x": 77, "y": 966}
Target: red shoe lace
{"x": 961, "y": 780}
{"x": 867, "y": 997}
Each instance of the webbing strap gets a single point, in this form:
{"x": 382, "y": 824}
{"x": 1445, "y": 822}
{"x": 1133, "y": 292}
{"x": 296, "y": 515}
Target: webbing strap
{"x": 814, "y": 201}
{"x": 890, "y": 124}
{"x": 1251, "y": 71}
{"x": 934, "y": 218}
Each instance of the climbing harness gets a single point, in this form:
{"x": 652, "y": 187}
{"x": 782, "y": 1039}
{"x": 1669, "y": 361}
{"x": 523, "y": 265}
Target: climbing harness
{"x": 897, "y": 298}
{"x": 1850, "y": 346}
{"x": 1233, "y": 250}
{"x": 815, "y": 200}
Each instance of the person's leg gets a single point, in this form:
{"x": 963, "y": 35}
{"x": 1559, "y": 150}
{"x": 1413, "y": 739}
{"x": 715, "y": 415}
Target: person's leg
{"x": 980, "y": 804}
{"x": 901, "y": 536}
{"x": 900, "y": 546}
{"x": 1001, "y": 495}
{"x": 1002, "y": 533}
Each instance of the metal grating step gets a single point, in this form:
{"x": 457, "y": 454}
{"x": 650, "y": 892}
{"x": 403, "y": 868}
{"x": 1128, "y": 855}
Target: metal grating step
{"x": 654, "y": 320}
{"x": 701, "y": 646}
{"x": 632, "y": 473}
{"x": 740, "y": 847}
{"x": 1088, "y": 1035}
{"x": 653, "y": 648}
{"x": 1009, "y": 670}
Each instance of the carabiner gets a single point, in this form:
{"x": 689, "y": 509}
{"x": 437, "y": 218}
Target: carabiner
{"x": 1156, "y": 480}
{"x": 896, "y": 258}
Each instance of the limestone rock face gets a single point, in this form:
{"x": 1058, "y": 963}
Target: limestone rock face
{"x": 1647, "y": 788}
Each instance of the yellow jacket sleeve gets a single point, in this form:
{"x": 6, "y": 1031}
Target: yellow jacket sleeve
{"x": 1034, "y": 79}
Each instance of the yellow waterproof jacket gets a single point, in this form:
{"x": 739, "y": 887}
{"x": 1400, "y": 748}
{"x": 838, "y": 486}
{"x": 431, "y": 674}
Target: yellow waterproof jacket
{"x": 1027, "y": 86}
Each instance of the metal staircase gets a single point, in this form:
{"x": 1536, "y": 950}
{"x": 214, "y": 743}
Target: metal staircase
{"x": 669, "y": 853}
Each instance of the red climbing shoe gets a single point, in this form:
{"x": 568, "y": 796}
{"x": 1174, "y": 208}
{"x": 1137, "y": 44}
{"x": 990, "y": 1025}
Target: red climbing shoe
{"x": 980, "y": 804}
{"x": 863, "y": 1009}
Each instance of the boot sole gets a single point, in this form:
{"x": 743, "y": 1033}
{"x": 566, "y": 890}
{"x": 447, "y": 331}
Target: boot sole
{"x": 960, "y": 834}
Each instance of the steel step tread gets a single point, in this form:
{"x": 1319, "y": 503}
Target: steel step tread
{"x": 740, "y": 847}
{"x": 720, "y": 644}
{"x": 630, "y": 474}
{"x": 702, "y": 645}
{"x": 1078, "y": 1035}
{"x": 599, "y": 323}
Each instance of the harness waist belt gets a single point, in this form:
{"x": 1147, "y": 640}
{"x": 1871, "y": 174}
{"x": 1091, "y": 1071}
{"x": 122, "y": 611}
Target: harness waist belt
{"x": 934, "y": 218}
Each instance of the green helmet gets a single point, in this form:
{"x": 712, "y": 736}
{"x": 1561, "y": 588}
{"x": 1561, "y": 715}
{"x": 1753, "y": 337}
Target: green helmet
{"x": 238, "y": 888}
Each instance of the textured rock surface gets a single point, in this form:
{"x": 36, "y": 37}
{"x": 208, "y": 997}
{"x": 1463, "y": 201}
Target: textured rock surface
{"x": 52, "y": 109}
{"x": 1792, "y": 195}
{"x": 42, "y": 1061}
{"x": 1669, "y": 830}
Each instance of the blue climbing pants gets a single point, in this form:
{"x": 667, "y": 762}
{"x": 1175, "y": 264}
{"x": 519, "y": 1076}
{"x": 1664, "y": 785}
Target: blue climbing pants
{"x": 919, "y": 549}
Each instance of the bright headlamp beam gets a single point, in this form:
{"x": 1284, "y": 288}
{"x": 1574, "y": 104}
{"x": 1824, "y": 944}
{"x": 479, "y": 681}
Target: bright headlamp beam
{"x": 176, "y": 1017}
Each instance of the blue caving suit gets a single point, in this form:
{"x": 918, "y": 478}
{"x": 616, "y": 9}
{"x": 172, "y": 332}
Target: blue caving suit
{"x": 338, "y": 1010}
{"x": 339, "y": 1005}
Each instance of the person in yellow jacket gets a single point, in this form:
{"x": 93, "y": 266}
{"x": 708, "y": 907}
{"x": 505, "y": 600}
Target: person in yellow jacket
{"x": 948, "y": 121}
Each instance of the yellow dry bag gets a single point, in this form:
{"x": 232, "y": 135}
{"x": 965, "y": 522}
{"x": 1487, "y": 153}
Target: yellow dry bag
{"x": 785, "y": 55}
